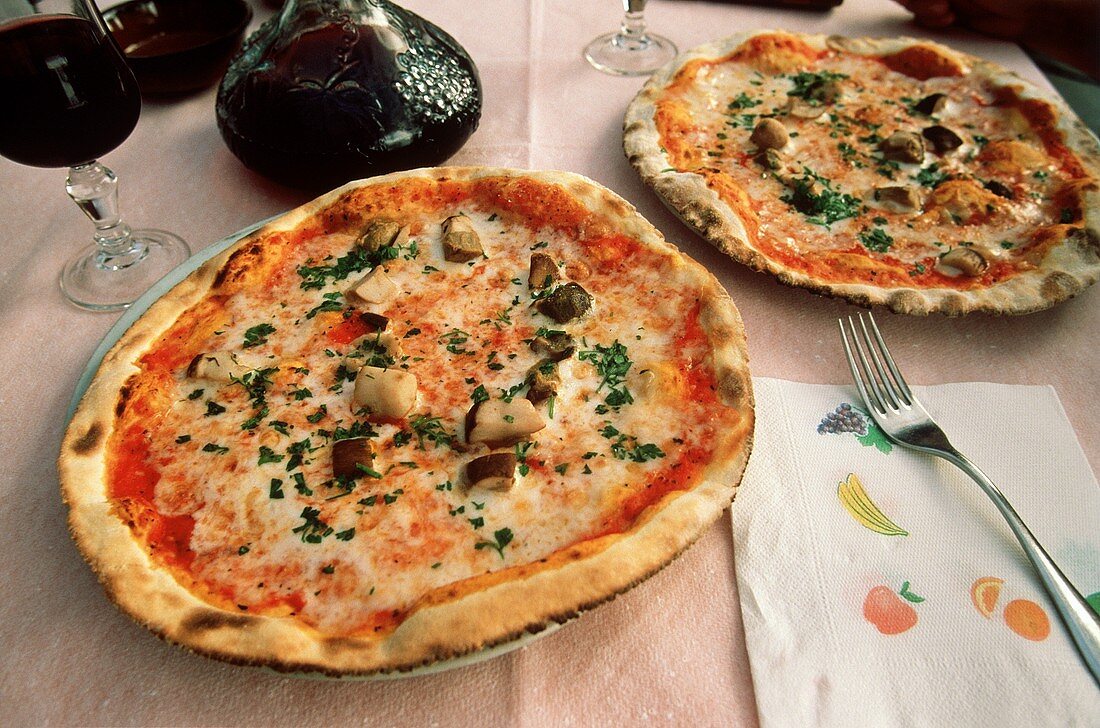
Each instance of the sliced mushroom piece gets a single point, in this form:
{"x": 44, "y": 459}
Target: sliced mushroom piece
{"x": 771, "y": 159}
{"x": 942, "y": 138}
{"x": 224, "y": 366}
{"x": 544, "y": 271}
{"x": 460, "y": 241}
{"x": 903, "y": 146}
{"x": 496, "y": 471}
{"x": 966, "y": 260}
{"x": 931, "y": 104}
{"x": 555, "y": 346}
{"x": 385, "y": 392}
{"x": 369, "y": 349}
{"x": 899, "y": 198}
{"x": 542, "y": 381}
{"x": 498, "y": 423}
{"x": 566, "y": 303}
{"x": 375, "y": 287}
{"x": 352, "y": 458}
{"x": 802, "y": 109}
{"x": 770, "y": 134}
{"x": 1000, "y": 189}
{"x": 376, "y": 321}
{"x": 382, "y": 232}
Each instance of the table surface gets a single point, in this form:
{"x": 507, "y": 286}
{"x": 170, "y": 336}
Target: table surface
{"x": 669, "y": 651}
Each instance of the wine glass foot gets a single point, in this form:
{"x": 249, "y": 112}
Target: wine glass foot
{"x": 624, "y": 55}
{"x": 98, "y": 280}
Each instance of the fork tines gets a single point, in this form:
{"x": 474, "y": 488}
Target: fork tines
{"x": 881, "y": 385}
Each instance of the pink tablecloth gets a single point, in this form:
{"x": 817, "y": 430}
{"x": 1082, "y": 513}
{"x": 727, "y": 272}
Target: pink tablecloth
{"x": 670, "y": 651}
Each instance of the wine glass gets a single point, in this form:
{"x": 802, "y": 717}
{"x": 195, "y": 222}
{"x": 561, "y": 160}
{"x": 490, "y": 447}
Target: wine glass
{"x": 630, "y": 51}
{"x": 72, "y": 98}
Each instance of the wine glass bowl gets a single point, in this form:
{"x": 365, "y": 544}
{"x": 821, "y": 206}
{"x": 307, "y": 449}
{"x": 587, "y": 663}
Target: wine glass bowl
{"x": 77, "y": 100}
{"x": 631, "y": 50}
{"x": 178, "y": 46}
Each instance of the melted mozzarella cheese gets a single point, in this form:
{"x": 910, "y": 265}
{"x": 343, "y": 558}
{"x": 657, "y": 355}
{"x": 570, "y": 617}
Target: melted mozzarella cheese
{"x": 271, "y": 524}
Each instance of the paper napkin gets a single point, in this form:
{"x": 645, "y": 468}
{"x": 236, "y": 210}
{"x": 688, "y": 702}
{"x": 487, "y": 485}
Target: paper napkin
{"x": 881, "y": 587}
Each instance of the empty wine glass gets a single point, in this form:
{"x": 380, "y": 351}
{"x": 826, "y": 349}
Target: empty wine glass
{"x": 73, "y": 99}
{"x": 630, "y": 51}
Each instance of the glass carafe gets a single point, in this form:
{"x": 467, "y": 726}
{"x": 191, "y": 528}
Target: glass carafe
{"x": 332, "y": 90}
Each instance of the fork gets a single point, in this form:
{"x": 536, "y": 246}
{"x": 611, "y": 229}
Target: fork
{"x": 905, "y": 421}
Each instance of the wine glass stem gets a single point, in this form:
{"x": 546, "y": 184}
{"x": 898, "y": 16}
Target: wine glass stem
{"x": 633, "y": 25}
{"x": 94, "y": 188}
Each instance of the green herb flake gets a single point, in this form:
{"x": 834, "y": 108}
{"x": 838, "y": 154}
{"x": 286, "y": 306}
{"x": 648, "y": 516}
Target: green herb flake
{"x": 876, "y": 240}
{"x": 267, "y": 455}
{"x": 257, "y": 335}
{"x": 501, "y": 538}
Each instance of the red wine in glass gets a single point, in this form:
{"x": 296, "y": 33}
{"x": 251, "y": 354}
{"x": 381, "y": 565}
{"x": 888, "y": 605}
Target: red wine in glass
{"x": 72, "y": 98}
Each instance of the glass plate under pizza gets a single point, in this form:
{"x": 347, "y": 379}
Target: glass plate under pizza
{"x": 409, "y": 425}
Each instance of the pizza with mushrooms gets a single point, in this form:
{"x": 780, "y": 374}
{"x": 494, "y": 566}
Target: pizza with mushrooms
{"x": 896, "y": 172}
{"x": 422, "y": 415}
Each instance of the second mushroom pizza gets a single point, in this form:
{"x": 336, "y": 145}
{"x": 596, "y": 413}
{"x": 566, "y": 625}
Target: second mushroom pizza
{"x": 888, "y": 171}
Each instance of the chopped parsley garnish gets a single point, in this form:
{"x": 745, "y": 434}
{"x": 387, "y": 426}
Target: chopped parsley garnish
{"x": 182, "y": 439}
{"x": 876, "y": 240}
{"x": 444, "y": 486}
{"x": 501, "y": 538}
{"x": 357, "y": 429}
{"x": 347, "y": 535}
{"x": 479, "y": 394}
{"x": 243, "y": 550}
{"x": 430, "y": 428}
{"x": 276, "y": 490}
{"x": 331, "y": 302}
{"x": 612, "y": 364}
{"x": 477, "y": 522}
{"x": 814, "y": 197}
{"x": 300, "y": 484}
{"x": 317, "y": 276}
{"x": 454, "y": 340}
{"x": 196, "y": 394}
{"x": 300, "y": 394}
{"x": 743, "y": 101}
{"x": 313, "y": 530}
{"x": 931, "y": 176}
{"x": 213, "y": 408}
{"x": 318, "y": 415}
{"x": 267, "y": 455}
{"x": 811, "y": 86}
{"x": 211, "y": 447}
{"x": 257, "y": 335}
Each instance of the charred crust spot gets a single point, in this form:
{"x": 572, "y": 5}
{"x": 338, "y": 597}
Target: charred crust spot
{"x": 207, "y": 620}
{"x": 237, "y": 264}
{"x": 1058, "y": 286}
{"x": 735, "y": 389}
{"x": 338, "y": 645}
{"x": 89, "y": 440}
{"x": 124, "y": 393}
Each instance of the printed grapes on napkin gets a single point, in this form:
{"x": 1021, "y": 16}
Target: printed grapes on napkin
{"x": 880, "y": 586}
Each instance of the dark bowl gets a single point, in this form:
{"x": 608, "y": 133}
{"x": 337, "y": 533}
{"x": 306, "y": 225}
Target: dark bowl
{"x": 178, "y": 46}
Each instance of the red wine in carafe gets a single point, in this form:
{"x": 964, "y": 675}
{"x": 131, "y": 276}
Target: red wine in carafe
{"x": 69, "y": 95}
{"x": 332, "y": 90}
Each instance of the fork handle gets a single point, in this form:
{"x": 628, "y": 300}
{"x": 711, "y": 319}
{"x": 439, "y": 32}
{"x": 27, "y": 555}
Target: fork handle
{"x": 1079, "y": 617}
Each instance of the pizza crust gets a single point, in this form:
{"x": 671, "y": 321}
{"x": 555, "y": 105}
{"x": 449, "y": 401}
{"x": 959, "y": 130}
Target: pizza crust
{"x": 455, "y": 622}
{"x": 1065, "y": 272}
